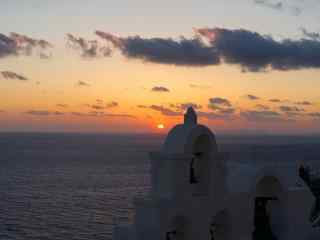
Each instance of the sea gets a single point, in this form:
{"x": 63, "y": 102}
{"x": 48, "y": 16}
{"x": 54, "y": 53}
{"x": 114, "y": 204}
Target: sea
{"x": 59, "y": 186}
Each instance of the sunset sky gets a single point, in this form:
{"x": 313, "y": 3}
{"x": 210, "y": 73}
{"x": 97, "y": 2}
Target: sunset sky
{"x": 246, "y": 66}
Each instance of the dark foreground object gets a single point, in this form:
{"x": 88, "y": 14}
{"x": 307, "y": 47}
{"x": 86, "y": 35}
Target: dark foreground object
{"x": 262, "y": 228}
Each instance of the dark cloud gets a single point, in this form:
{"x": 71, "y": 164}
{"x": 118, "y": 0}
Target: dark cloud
{"x": 252, "y": 97}
{"x": 43, "y": 112}
{"x": 262, "y": 107}
{"x": 256, "y": 52}
{"x": 87, "y": 48}
{"x": 8, "y": 47}
{"x": 211, "y": 46}
{"x": 17, "y": 44}
{"x": 166, "y": 111}
{"x": 311, "y": 35}
{"x": 270, "y": 4}
{"x": 62, "y": 105}
{"x": 83, "y": 84}
{"x": 13, "y": 76}
{"x": 305, "y": 103}
{"x": 160, "y": 89}
{"x": 252, "y": 115}
{"x": 182, "y": 52}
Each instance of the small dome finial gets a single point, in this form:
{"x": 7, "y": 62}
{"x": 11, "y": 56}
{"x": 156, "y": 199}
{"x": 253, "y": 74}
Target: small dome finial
{"x": 190, "y": 117}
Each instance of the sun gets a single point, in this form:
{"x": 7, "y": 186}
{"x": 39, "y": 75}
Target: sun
{"x": 160, "y": 126}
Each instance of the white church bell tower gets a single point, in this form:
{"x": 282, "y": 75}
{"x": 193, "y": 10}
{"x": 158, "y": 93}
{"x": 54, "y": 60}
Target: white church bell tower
{"x": 187, "y": 187}
{"x": 199, "y": 194}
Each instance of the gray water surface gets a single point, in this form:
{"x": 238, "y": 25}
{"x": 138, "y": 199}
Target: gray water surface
{"x": 73, "y": 186}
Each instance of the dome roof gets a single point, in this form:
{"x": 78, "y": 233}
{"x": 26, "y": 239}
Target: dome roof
{"x": 182, "y": 137}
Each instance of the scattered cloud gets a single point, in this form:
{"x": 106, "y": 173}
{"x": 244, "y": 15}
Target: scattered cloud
{"x": 43, "y": 113}
{"x": 99, "y": 101}
{"x": 199, "y": 86}
{"x": 13, "y": 76}
{"x": 252, "y": 97}
{"x": 88, "y": 48}
{"x": 16, "y": 44}
{"x": 270, "y": 4}
{"x": 305, "y": 103}
{"x": 58, "y": 113}
{"x": 62, "y": 105}
{"x": 218, "y": 102}
{"x": 142, "y": 106}
{"x": 83, "y": 84}
{"x": 112, "y": 104}
{"x": 165, "y": 111}
{"x": 280, "y": 6}
{"x": 101, "y": 106}
{"x": 291, "y": 109}
{"x": 160, "y": 89}
{"x": 262, "y": 107}
{"x": 252, "y": 115}
{"x": 97, "y": 107}
{"x": 314, "y": 114}
{"x": 215, "y": 116}
{"x": 275, "y": 100}
{"x": 311, "y": 35}
{"x": 295, "y": 10}
{"x": 221, "y": 106}
{"x": 101, "y": 114}
{"x": 185, "y": 106}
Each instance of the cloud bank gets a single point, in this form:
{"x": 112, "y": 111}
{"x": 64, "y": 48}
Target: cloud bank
{"x": 212, "y": 46}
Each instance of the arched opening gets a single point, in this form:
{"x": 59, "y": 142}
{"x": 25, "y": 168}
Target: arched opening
{"x": 220, "y": 226}
{"x": 269, "y": 210}
{"x": 178, "y": 229}
{"x": 200, "y": 164}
